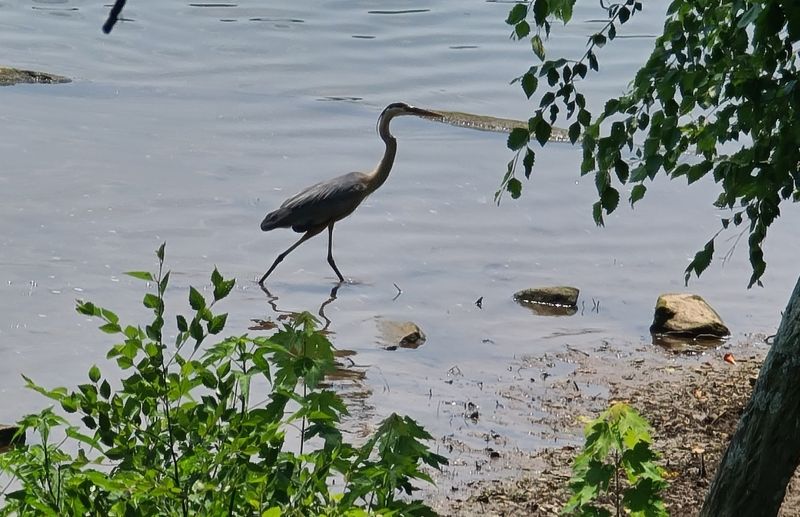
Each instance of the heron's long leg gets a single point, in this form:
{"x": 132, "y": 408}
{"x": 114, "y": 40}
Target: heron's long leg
{"x": 330, "y": 253}
{"x": 308, "y": 235}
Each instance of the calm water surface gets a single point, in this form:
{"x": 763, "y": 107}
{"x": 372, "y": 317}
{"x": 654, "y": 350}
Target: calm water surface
{"x": 189, "y": 123}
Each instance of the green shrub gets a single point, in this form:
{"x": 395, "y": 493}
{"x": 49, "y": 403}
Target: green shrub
{"x": 618, "y": 465}
{"x": 180, "y": 434}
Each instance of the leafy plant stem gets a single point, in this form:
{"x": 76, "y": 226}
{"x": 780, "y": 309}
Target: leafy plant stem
{"x": 231, "y": 506}
{"x": 47, "y": 465}
{"x": 165, "y": 385}
{"x": 616, "y": 483}
{"x": 305, "y": 394}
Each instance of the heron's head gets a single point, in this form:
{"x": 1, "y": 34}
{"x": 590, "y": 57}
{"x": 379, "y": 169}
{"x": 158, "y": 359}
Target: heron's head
{"x": 397, "y": 109}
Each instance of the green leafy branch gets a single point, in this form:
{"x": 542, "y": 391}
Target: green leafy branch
{"x": 717, "y": 97}
{"x": 617, "y": 468}
{"x": 561, "y": 75}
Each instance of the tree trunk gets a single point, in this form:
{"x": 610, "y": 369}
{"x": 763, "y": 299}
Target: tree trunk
{"x": 765, "y": 449}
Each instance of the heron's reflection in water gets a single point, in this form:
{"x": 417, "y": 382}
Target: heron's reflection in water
{"x": 347, "y": 378}
{"x": 284, "y": 314}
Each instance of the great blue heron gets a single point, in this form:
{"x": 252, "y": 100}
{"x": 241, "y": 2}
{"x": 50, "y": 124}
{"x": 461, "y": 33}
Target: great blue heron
{"x": 319, "y": 206}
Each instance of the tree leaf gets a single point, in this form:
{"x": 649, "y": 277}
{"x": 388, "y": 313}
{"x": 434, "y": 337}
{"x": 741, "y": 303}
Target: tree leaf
{"x": 542, "y": 131}
{"x": 599, "y": 39}
{"x": 610, "y": 199}
{"x": 517, "y": 14}
{"x": 529, "y": 84}
{"x": 541, "y": 10}
{"x": 223, "y": 288}
{"x": 217, "y": 323}
{"x": 528, "y": 161}
{"x": 151, "y": 301}
{"x": 597, "y": 213}
{"x": 623, "y": 14}
{"x": 94, "y": 373}
{"x": 517, "y": 139}
{"x": 538, "y": 46}
{"x": 701, "y": 261}
{"x": 181, "y": 322}
{"x": 141, "y": 275}
{"x": 637, "y": 193}
{"x": 196, "y": 299}
{"x": 522, "y": 29}
{"x": 574, "y": 132}
{"x": 552, "y": 79}
{"x": 514, "y": 186}
{"x": 593, "y": 61}
{"x": 547, "y": 99}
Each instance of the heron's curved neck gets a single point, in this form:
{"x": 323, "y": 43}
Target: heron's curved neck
{"x": 381, "y": 172}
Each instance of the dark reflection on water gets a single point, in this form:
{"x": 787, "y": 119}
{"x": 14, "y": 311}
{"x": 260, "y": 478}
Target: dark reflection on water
{"x": 348, "y": 378}
{"x": 284, "y": 20}
{"x": 549, "y": 309}
{"x": 400, "y": 11}
{"x": 272, "y": 300}
{"x": 213, "y": 5}
{"x": 683, "y": 344}
{"x": 340, "y": 99}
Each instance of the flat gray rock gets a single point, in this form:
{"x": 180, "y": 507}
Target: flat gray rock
{"x": 686, "y": 314}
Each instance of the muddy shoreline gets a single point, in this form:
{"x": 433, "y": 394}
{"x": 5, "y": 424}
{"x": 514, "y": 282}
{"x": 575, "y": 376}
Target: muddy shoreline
{"x": 693, "y": 403}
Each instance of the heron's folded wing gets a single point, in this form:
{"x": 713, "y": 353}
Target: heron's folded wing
{"x": 323, "y": 203}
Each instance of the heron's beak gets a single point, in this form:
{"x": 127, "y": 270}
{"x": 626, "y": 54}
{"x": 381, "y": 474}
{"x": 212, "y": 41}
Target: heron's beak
{"x": 425, "y": 113}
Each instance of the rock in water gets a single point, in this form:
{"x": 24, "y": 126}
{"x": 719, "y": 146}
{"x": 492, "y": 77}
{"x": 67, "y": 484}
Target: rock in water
{"x": 403, "y": 334}
{"x": 686, "y": 314}
{"x": 559, "y": 295}
{"x": 7, "y": 434}
{"x": 549, "y": 301}
{"x": 9, "y": 76}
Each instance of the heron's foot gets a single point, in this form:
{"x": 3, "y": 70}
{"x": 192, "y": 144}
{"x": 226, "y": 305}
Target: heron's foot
{"x": 350, "y": 281}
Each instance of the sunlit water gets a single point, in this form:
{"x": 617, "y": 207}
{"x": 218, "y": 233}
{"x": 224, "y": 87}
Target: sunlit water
{"x": 188, "y": 123}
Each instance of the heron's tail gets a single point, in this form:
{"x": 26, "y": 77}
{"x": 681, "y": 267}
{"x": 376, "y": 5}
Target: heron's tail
{"x": 274, "y": 220}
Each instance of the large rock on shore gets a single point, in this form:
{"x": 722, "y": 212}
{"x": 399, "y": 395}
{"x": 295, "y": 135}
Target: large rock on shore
{"x": 688, "y": 315}
{"x": 9, "y": 76}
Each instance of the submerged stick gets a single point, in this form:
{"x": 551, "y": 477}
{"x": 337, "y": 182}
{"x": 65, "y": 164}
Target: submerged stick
{"x": 494, "y": 124}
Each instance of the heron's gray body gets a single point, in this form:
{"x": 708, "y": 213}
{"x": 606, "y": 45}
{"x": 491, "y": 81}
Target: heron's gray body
{"x": 320, "y": 206}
